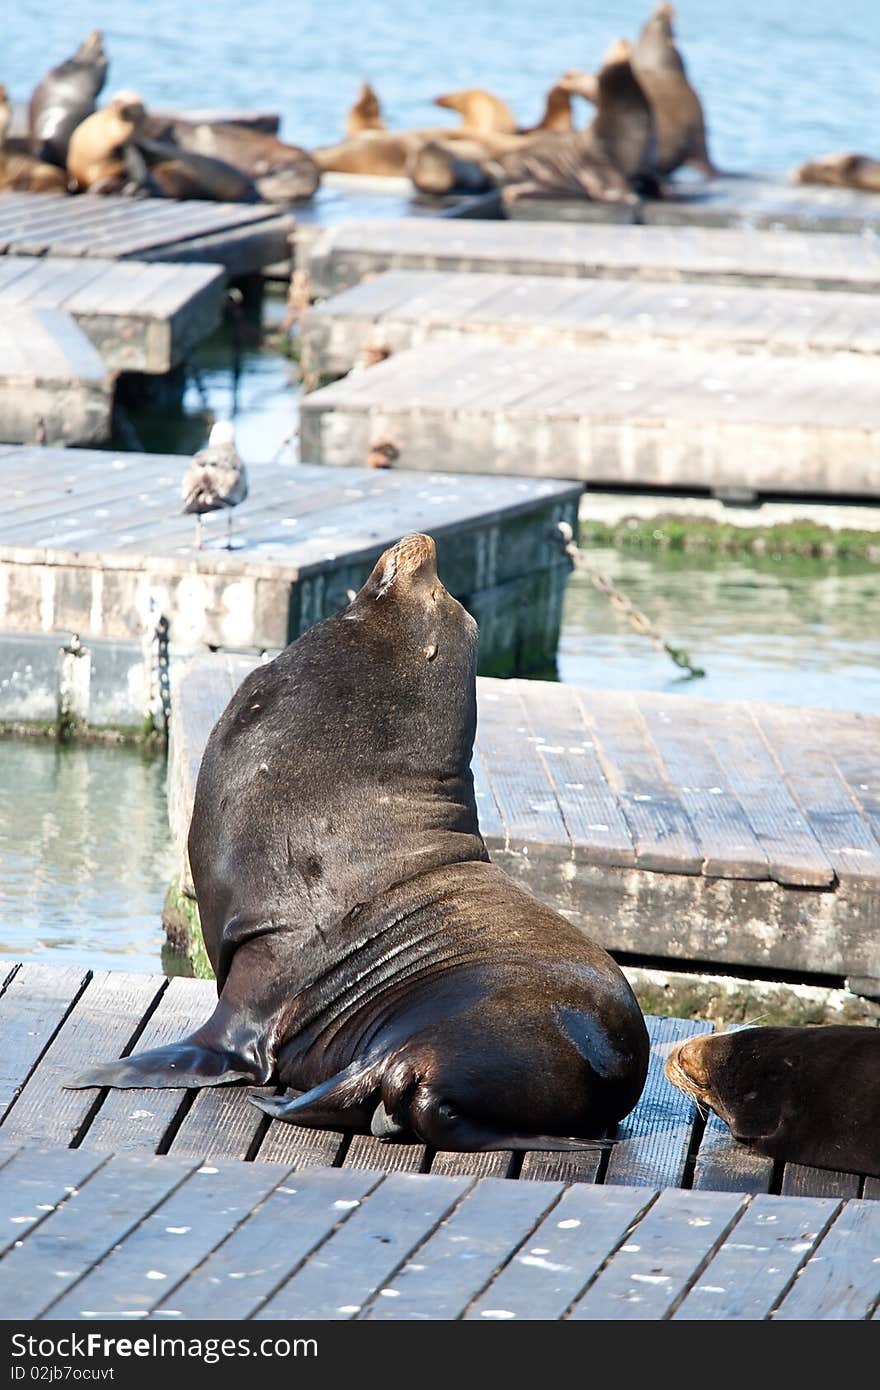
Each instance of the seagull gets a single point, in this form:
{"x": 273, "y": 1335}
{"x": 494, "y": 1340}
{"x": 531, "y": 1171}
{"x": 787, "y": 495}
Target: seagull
{"x": 215, "y": 479}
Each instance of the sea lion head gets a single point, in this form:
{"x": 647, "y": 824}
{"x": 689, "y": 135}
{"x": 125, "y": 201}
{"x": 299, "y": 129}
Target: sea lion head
{"x": 405, "y": 595}
{"x": 129, "y": 107}
{"x": 747, "y": 1077}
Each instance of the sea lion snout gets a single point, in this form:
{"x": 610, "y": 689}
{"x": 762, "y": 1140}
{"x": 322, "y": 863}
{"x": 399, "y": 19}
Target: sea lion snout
{"x": 687, "y": 1067}
{"x": 413, "y": 558}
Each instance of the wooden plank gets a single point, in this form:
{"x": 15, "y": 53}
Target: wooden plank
{"x": 104, "y": 1022}
{"x": 725, "y": 837}
{"x": 222, "y": 1123}
{"x": 809, "y": 770}
{"x": 82, "y": 1231}
{"x": 34, "y": 1184}
{"x": 463, "y": 1254}
{"x": 492, "y": 826}
{"x": 841, "y": 1280}
{"x": 478, "y": 1165}
{"x": 793, "y": 853}
{"x": 169, "y": 1242}
{"x": 361, "y": 1257}
{"x": 300, "y": 1147}
{"x": 33, "y": 1007}
{"x": 518, "y": 778}
{"x": 654, "y": 1140}
{"x": 755, "y": 1265}
{"x": 581, "y": 1166}
{"x": 647, "y": 1275}
{"x": 269, "y": 1245}
{"x": 853, "y": 739}
{"x": 799, "y": 1180}
{"x": 724, "y": 1165}
{"x": 384, "y": 1155}
{"x": 661, "y": 831}
{"x": 593, "y": 818}
{"x": 563, "y": 1255}
{"x": 137, "y": 1119}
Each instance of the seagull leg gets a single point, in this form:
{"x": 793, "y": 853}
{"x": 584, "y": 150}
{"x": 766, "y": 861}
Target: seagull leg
{"x": 198, "y": 531}
{"x": 229, "y": 529}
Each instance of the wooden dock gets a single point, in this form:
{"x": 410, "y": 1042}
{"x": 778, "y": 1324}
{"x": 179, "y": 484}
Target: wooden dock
{"x": 139, "y": 316}
{"x": 53, "y": 383}
{"x": 94, "y": 543}
{"x": 240, "y": 237}
{"x": 401, "y": 309}
{"x": 640, "y": 416}
{"x": 666, "y": 826}
{"x": 730, "y": 200}
{"x": 345, "y": 254}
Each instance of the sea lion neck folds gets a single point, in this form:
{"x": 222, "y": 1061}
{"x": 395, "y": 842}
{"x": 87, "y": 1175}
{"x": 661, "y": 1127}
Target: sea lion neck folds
{"x": 366, "y": 950}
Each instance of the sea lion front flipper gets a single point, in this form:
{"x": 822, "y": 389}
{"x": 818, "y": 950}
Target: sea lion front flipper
{"x": 187, "y": 1063}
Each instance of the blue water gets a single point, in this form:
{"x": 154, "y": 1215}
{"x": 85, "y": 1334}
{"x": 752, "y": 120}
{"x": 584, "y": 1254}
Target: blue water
{"x": 781, "y": 80}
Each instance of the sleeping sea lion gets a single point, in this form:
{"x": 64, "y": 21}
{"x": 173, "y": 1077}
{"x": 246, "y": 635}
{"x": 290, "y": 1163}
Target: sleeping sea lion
{"x": 481, "y": 111}
{"x": 841, "y": 171}
{"x": 366, "y": 114}
{"x": 280, "y": 173}
{"x": 678, "y": 114}
{"x": 800, "y": 1095}
{"x": 366, "y": 950}
{"x": 65, "y": 97}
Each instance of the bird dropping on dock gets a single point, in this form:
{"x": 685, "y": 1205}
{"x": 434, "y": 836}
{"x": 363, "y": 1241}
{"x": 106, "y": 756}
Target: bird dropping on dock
{"x": 216, "y": 480}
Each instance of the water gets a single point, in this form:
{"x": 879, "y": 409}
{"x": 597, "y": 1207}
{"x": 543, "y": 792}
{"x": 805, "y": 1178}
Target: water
{"x": 780, "y": 81}
{"x": 85, "y": 852}
{"x": 793, "y": 633}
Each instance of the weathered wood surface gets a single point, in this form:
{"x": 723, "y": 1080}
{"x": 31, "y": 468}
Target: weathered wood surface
{"x": 134, "y": 1236}
{"x": 662, "y": 1143}
{"x": 669, "y": 827}
{"x": 139, "y": 317}
{"x": 646, "y": 416}
{"x": 94, "y": 543}
{"x": 54, "y": 386}
{"x": 401, "y": 309}
{"x": 241, "y": 237}
{"x": 733, "y": 200}
{"x": 345, "y": 254}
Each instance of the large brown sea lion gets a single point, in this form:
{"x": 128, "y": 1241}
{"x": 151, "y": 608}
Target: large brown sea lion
{"x": 98, "y": 156}
{"x": 64, "y": 98}
{"x": 21, "y": 172}
{"x": 280, "y": 173}
{"x": 366, "y": 113}
{"x": 841, "y": 171}
{"x": 482, "y": 112}
{"x": 623, "y": 127}
{"x": 366, "y": 950}
{"x": 678, "y": 114}
{"x": 801, "y": 1095}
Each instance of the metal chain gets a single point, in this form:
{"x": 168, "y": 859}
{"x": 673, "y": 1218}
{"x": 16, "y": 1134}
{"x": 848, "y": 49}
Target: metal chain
{"x": 637, "y": 620}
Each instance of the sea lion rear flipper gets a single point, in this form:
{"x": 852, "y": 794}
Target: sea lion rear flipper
{"x": 342, "y": 1102}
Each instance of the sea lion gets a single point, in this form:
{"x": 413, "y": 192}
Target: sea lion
{"x": 844, "y": 170}
{"x": 366, "y": 114}
{"x": 65, "y": 97}
{"x": 100, "y": 155}
{"x": 481, "y": 111}
{"x": 581, "y": 84}
{"x": 557, "y": 112}
{"x": 801, "y": 1095}
{"x": 678, "y": 114}
{"x": 461, "y": 166}
{"x": 623, "y": 126}
{"x": 366, "y": 950}
{"x": 176, "y": 173}
{"x": 383, "y": 153}
{"x": 21, "y": 172}
{"x": 280, "y": 173}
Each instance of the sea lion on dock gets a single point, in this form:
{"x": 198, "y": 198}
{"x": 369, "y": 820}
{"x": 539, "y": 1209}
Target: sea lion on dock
{"x": 366, "y": 113}
{"x": 557, "y": 112}
{"x": 482, "y": 112}
{"x": 441, "y": 167}
{"x": 21, "y": 172}
{"x": 280, "y": 173}
{"x": 800, "y": 1095}
{"x": 64, "y": 98}
{"x": 101, "y": 156}
{"x": 678, "y": 113}
{"x": 845, "y": 170}
{"x": 366, "y": 950}
{"x": 383, "y": 153}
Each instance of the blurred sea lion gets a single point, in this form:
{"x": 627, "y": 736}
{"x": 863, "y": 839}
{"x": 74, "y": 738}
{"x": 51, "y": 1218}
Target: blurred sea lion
{"x": 100, "y": 154}
{"x": 482, "y": 112}
{"x": 678, "y": 114}
{"x": 366, "y": 113}
{"x": 21, "y": 172}
{"x": 280, "y": 173}
{"x": 845, "y": 170}
{"x": 64, "y": 98}
{"x": 557, "y": 112}
{"x": 806, "y": 1095}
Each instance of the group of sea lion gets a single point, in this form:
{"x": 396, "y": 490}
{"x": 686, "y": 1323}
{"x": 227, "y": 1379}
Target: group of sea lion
{"x": 369, "y": 955}
{"x": 73, "y": 146}
{"x": 648, "y": 122}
